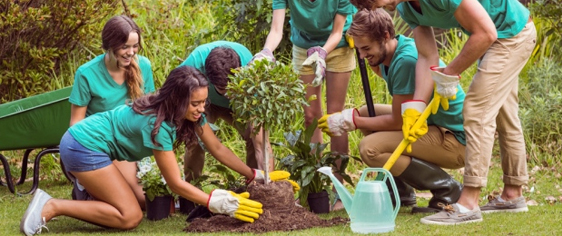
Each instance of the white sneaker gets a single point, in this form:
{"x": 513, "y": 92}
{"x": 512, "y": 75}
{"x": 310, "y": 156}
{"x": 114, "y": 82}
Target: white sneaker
{"x": 32, "y": 222}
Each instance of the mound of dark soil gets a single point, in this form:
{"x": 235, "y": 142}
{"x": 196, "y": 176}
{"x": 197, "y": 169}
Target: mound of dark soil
{"x": 280, "y": 213}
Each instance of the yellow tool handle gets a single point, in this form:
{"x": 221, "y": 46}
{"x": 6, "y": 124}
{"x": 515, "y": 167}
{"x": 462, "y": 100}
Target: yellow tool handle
{"x": 390, "y": 162}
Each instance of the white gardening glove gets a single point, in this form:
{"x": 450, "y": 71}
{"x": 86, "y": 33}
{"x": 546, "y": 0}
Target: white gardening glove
{"x": 445, "y": 87}
{"x": 263, "y": 54}
{"x": 337, "y": 123}
{"x": 411, "y": 112}
{"x": 317, "y": 60}
{"x": 234, "y": 205}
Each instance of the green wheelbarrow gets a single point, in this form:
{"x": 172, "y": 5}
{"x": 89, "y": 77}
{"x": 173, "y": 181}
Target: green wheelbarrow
{"x": 36, "y": 122}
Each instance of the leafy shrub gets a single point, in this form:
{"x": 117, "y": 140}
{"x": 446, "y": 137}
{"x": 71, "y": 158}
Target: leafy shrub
{"x": 266, "y": 94}
{"x": 37, "y": 35}
{"x": 540, "y": 106}
{"x": 305, "y": 158}
{"x": 249, "y": 21}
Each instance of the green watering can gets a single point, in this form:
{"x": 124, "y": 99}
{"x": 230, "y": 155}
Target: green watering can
{"x": 370, "y": 209}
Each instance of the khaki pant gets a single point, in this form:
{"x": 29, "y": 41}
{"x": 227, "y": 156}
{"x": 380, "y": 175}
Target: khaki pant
{"x": 439, "y": 146}
{"x": 491, "y": 105}
{"x": 194, "y": 158}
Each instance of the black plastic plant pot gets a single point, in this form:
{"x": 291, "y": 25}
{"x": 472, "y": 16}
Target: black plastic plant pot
{"x": 158, "y": 208}
{"x": 186, "y": 206}
{"x": 319, "y": 203}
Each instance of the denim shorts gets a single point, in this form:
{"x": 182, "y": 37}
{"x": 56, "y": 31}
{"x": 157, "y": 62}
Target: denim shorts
{"x": 78, "y": 158}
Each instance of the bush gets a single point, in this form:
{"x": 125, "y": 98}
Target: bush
{"x": 37, "y": 35}
{"x": 248, "y": 22}
{"x": 540, "y": 105}
{"x": 266, "y": 94}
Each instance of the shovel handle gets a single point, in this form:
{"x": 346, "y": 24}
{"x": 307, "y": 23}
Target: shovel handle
{"x": 390, "y": 162}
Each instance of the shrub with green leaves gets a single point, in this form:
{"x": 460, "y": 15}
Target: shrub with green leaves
{"x": 305, "y": 158}
{"x": 266, "y": 94}
{"x": 249, "y": 21}
{"x": 540, "y": 104}
{"x": 37, "y": 35}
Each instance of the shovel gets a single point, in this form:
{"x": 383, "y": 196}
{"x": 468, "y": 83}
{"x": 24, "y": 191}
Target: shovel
{"x": 423, "y": 117}
{"x": 364, "y": 77}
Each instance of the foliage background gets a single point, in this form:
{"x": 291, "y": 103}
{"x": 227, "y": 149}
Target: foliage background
{"x": 173, "y": 28}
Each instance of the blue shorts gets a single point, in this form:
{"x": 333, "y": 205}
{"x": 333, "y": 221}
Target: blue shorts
{"x": 78, "y": 158}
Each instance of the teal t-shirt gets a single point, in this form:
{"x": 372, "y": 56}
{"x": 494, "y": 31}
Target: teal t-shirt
{"x": 94, "y": 87}
{"x": 123, "y": 134}
{"x": 509, "y": 16}
{"x": 197, "y": 60}
{"x": 400, "y": 78}
{"x": 312, "y": 22}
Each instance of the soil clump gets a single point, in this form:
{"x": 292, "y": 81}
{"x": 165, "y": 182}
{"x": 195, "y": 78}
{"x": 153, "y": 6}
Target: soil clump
{"x": 280, "y": 213}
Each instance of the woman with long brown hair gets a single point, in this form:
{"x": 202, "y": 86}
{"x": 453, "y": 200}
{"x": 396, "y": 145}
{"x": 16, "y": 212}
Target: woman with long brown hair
{"x": 154, "y": 124}
{"x": 110, "y": 79}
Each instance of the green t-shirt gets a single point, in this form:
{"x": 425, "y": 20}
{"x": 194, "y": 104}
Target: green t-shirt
{"x": 509, "y": 16}
{"x": 400, "y": 78}
{"x": 94, "y": 87}
{"x": 123, "y": 134}
{"x": 312, "y": 22}
{"x": 197, "y": 60}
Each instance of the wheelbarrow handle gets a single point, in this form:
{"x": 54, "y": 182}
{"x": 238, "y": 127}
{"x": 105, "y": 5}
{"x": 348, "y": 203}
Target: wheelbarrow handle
{"x": 423, "y": 118}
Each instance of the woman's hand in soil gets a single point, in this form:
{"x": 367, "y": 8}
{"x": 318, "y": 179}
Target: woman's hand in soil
{"x": 235, "y": 205}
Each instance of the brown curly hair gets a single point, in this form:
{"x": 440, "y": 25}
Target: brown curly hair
{"x": 373, "y": 24}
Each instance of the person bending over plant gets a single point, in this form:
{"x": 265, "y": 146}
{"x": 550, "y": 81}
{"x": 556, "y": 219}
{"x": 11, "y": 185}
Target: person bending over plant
{"x": 320, "y": 52}
{"x": 215, "y": 61}
{"x": 393, "y": 57}
{"x": 153, "y": 124}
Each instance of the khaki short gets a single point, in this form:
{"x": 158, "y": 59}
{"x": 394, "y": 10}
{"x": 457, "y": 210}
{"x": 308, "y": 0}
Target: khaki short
{"x": 339, "y": 60}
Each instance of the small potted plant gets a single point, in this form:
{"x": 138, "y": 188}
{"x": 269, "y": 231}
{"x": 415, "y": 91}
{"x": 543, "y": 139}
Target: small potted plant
{"x": 303, "y": 161}
{"x": 159, "y": 196}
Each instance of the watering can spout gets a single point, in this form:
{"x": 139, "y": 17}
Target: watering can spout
{"x": 345, "y": 196}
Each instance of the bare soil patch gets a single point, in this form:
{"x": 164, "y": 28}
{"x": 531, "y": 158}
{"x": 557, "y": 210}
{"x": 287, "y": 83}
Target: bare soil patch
{"x": 280, "y": 213}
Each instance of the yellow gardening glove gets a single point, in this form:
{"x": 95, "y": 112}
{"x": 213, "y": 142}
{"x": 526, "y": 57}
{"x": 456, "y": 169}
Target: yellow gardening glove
{"x": 440, "y": 101}
{"x": 296, "y": 186}
{"x": 235, "y": 205}
{"x": 445, "y": 88}
{"x": 278, "y": 175}
{"x": 411, "y": 112}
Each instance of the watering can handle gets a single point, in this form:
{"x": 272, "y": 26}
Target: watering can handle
{"x": 390, "y": 162}
{"x": 376, "y": 170}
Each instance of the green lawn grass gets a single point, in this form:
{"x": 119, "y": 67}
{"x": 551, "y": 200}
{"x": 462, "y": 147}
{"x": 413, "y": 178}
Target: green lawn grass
{"x": 542, "y": 219}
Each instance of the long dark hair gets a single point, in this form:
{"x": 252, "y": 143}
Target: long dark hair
{"x": 115, "y": 33}
{"x": 171, "y": 101}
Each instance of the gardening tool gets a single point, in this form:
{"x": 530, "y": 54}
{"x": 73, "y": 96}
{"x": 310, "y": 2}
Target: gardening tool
{"x": 364, "y": 77}
{"x": 370, "y": 210}
{"x": 423, "y": 118}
